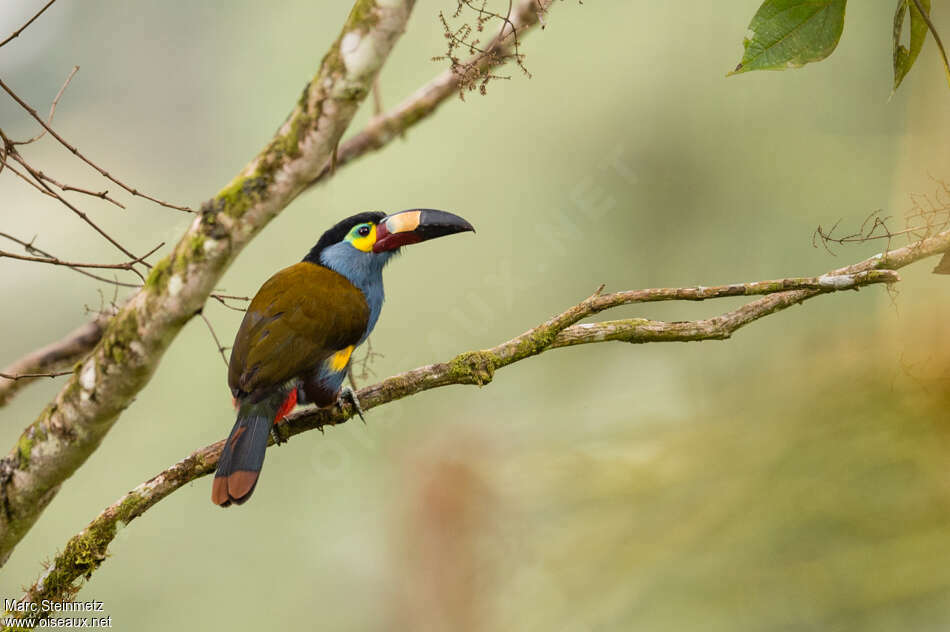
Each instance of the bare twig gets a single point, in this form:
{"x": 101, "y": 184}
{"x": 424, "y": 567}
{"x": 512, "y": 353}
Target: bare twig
{"x": 128, "y": 265}
{"x": 364, "y": 372}
{"x": 224, "y": 298}
{"x": 929, "y": 215}
{"x": 369, "y": 355}
{"x": 31, "y": 247}
{"x": 53, "y": 357}
{"x": 42, "y": 184}
{"x": 52, "y": 108}
{"x": 381, "y": 130}
{"x": 105, "y": 174}
{"x": 473, "y": 73}
{"x": 131, "y": 348}
{"x": 231, "y": 296}
{"x": 26, "y": 376}
{"x": 214, "y": 336}
{"x": 17, "y": 32}
{"x": 102, "y": 195}
{"x": 4, "y": 164}
{"x": 83, "y": 554}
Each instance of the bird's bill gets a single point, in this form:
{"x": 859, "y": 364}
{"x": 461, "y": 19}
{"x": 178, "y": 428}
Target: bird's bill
{"x": 411, "y": 227}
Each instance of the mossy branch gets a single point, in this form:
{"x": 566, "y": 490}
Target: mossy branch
{"x": 378, "y": 133}
{"x": 382, "y": 129}
{"x": 83, "y": 553}
{"x": 130, "y": 349}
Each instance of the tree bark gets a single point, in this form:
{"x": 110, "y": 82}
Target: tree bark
{"x": 72, "y": 426}
{"x": 85, "y": 551}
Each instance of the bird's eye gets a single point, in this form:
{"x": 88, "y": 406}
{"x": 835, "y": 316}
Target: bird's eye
{"x": 363, "y": 231}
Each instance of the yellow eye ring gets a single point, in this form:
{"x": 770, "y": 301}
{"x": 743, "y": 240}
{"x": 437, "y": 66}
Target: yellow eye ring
{"x": 363, "y": 242}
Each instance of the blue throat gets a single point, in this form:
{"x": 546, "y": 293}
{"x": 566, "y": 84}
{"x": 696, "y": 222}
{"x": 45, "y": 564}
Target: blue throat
{"x": 362, "y": 269}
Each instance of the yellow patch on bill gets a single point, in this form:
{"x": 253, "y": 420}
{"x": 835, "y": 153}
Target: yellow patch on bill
{"x": 402, "y": 222}
{"x": 337, "y": 362}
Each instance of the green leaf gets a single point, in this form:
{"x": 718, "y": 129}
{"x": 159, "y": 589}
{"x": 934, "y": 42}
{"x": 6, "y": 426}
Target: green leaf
{"x": 925, "y": 16}
{"x": 790, "y": 33}
{"x": 904, "y": 58}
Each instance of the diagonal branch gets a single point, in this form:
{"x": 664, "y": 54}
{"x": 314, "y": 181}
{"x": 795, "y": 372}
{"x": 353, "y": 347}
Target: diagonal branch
{"x": 85, "y": 551}
{"x": 385, "y": 128}
{"x": 17, "y": 32}
{"x": 52, "y": 110}
{"x": 105, "y": 174}
{"x": 53, "y": 357}
{"x": 41, "y": 185}
{"x": 126, "y": 265}
{"x": 426, "y": 100}
{"x": 73, "y": 425}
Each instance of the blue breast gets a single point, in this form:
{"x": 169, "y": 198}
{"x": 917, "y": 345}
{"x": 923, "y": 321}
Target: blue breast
{"x": 365, "y": 271}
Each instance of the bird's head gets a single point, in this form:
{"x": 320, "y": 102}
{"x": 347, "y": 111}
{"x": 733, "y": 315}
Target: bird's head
{"x": 366, "y": 241}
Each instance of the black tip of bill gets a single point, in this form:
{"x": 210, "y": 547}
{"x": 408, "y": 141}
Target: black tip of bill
{"x": 434, "y": 223}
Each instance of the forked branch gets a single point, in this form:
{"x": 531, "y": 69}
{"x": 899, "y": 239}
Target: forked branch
{"x": 385, "y": 128}
{"x": 83, "y": 554}
{"x": 92, "y": 398}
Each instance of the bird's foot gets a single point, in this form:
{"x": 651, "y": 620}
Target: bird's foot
{"x": 285, "y": 409}
{"x": 275, "y": 434}
{"x": 347, "y": 393}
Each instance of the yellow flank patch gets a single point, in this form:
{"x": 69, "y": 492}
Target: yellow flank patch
{"x": 365, "y": 244}
{"x": 337, "y": 362}
{"x": 402, "y": 222}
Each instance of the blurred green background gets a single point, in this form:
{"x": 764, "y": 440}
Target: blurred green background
{"x": 792, "y": 478}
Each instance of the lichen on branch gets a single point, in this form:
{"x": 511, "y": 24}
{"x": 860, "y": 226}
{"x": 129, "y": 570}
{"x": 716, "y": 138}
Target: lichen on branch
{"x": 105, "y": 383}
{"x": 85, "y": 551}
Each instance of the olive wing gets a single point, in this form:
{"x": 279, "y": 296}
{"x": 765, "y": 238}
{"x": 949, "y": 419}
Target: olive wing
{"x": 300, "y": 317}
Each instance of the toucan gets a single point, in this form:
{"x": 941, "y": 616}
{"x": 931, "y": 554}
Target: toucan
{"x": 297, "y": 338}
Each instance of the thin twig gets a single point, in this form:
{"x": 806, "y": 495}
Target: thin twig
{"x": 232, "y": 297}
{"x": 221, "y": 348}
{"x": 17, "y": 32}
{"x": 125, "y": 359}
{"x": 472, "y": 73}
{"x": 40, "y": 180}
{"x": 52, "y": 108}
{"x": 70, "y": 264}
{"x": 32, "y": 248}
{"x": 53, "y": 357}
{"x": 25, "y": 376}
{"x": 223, "y": 298}
{"x": 102, "y": 195}
{"x": 6, "y": 165}
{"x": 64, "y": 143}
{"x": 83, "y": 553}
{"x": 128, "y": 265}
{"x": 381, "y": 130}
{"x": 369, "y": 354}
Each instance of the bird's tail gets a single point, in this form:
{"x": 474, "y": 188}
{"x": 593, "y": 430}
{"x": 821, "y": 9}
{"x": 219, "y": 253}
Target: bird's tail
{"x": 243, "y": 454}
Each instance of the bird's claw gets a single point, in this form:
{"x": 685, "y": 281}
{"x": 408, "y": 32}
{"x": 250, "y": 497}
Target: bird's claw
{"x": 275, "y": 434}
{"x": 348, "y": 393}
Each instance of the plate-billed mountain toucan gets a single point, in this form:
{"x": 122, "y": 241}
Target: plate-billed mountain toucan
{"x": 299, "y": 332}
